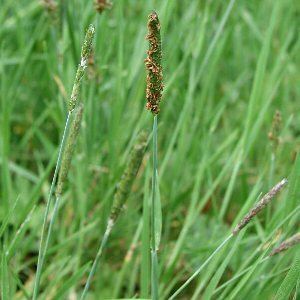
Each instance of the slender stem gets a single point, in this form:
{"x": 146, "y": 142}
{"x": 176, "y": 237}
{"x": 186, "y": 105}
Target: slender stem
{"x": 95, "y": 263}
{"x": 154, "y": 275}
{"x": 238, "y": 276}
{"x": 154, "y": 261}
{"x": 42, "y": 247}
{"x": 201, "y": 267}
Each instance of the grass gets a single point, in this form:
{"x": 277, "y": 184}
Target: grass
{"x": 228, "y": 67}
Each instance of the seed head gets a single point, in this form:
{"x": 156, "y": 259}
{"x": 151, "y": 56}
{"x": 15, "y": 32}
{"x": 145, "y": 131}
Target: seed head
{"x": 85, "y": 53}
{"x": 274, "y": 133}
{"x": 87, "y": 44}
{"x": 127, "y": 179}
{"x": 260, "y": 205}
{"x": 101, "y": 5}
{"x": 68, "y": 152}
{"x": 287, "y": 244}
{"x": 153, "y": 65}
{"x": 50, "y": 5}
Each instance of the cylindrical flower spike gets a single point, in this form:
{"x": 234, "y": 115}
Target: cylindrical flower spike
{"x": 85, "y": 53}
{"x": 153, "y": 64}
{"x": 260, "y": 205}
{"x": 68, "y": 152}
{"x": 101, "y": 5}
{"x": 50, "y": 5}
{"x": 274, "y": 134}
{"x": 119, "y": 200}
{"x": 125, "y": 184}
{"x": 287, "y": 244}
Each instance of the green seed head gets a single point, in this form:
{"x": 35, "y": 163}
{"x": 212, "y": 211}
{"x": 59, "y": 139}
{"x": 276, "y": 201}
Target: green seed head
{"x": 287, "y": 244}
{"x": 274, "y": 133}
{"x": 87, "y": 44}
{"x": 68, "y": 152}
{"x": 85, "y": 53}
{"x": 124, "y": 187}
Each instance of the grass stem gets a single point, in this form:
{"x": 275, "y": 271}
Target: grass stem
{"x": 43, "y": 243}
{"x": 196, "y": 273}
{"x": 121, "y": 195}
{"x": 97, "y": 258}
{"x": 85, "y": 52}
{"x": 154, "y": 261}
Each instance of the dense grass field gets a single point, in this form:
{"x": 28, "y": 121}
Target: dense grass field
{"x": 228, "y": 130}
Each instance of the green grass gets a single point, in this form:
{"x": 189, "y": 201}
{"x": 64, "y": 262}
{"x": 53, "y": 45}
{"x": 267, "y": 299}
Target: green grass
{"x": 228, "y": 66}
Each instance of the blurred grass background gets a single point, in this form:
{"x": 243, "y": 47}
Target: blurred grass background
{"x": 228, "y": 67}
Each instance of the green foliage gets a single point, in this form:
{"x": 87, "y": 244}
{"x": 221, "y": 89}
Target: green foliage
{"x": 290, "y": 281}
{"x": 228, "y": 67}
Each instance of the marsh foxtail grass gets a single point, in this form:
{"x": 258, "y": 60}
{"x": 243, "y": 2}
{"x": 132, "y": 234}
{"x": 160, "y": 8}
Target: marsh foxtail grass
{"x": 154, "y": 90}
{"x": 260, "y": 205}
{"x": 102, "y": 5}
{"x": 65, "y": 165}
{"x": 121, "y": 195}
{"x": 85, "y": 52}
{"x": 287, "y": 244}
{"x": 265, "y": 200}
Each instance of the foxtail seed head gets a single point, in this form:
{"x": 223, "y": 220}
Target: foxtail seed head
{"x": 287, "y": 244}
{"x": 87, "y": 45}
{"x": 153, "y": 65}
{"x": 85, "y": 53}
{"x": 50, "y": 5}
{"x": 274, "y": 133}
{"x": 260, "y": 205}
{"x": 124, "y": 187}
{"x": 101, "y": 5}
{"x": 68, "y": 152}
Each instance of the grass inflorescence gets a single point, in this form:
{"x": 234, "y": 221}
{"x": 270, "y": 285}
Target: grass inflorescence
{"x": 228, "y": 130}
{"x": 153, "y": 64}
{"x": 120, "y": 197}
{"x": 287, "y": 244}
{"x": 154, "y": 90}
{"x": 64, "y": 156}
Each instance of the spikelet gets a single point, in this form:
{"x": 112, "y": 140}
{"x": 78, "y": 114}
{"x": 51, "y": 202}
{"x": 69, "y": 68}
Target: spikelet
{"x": 153, "y": 65}
{"x": 101, "y": 5}
{"x": 50, "y": 5}
{"x": 125, "y": 184}
{"x": 68, "y": 152}
{"x": 85, "y": 53}
{"x": 287, "y": 244}
{"x": 274, "y": 133}
{"x": 260, "y": 205}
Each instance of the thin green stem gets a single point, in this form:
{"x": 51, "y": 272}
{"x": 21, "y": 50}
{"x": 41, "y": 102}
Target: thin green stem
{"x": 154, "y": 261}
{"x": 42, "y": 247}
{"x": 85, "y": 52}
{"x": 97, "y": 258}
{"x": 196, "y": 273}
{"x": 238, "y": 276}
{"x": 120, "y": 197}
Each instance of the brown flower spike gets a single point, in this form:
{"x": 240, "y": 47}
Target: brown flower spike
{"x": 274, "y": 133}
{"x": 260, "y": 205}
{"x": 287, "y": 244}
{"x": 153, "y": 65}
{"x": 101, "y": 5}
